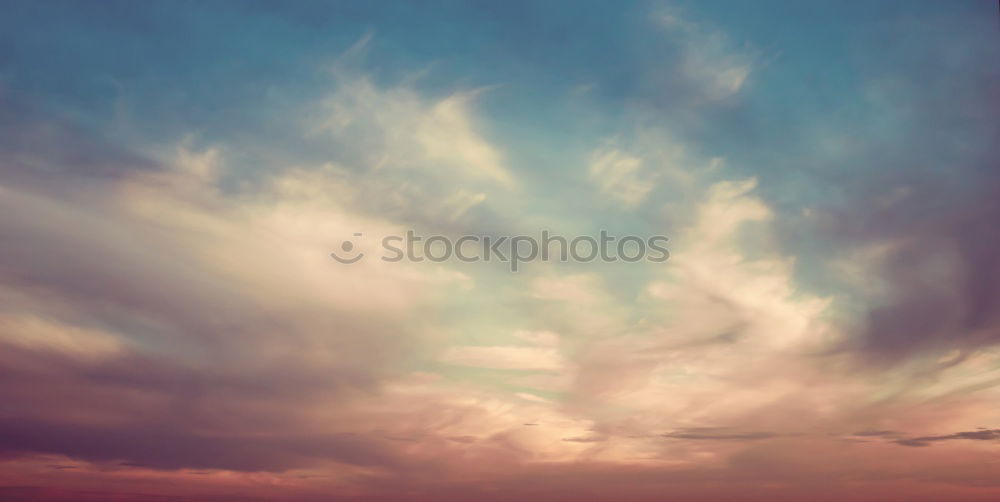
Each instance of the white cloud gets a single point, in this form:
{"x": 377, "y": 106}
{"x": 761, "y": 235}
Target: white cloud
{"x": 543, "y": 338}
{"x": 620, "y": 176}
{"x": 399, "y": 129}
{"x": 46, "y": 335}
{"x": 708, "y": 56}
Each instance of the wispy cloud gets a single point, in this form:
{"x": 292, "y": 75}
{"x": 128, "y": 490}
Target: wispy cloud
{"x": 173, "y": 179}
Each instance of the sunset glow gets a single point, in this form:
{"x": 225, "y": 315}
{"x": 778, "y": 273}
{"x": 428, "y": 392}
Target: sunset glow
{"x": 197, "y": 198}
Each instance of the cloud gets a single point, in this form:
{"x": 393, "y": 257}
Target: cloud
{"x": 171, "y": 323}
{"x": 511, "y": 358}
{"x": 398, "y": 129}
{"x": 543, "y": 338}
{"x": 977, "y": 435}
{"x": 719, "y": 435}
{"x": 34, "y": 333}
{"x": 914, "y": 215}
{"x": 157, "y": 293}
{"x": 619, "y": 176}
{"x": 156, "y": 447}
{"x": 34, "y": 144}
{"x": 584, "y": 439}
{"x": 939, "y": 272}
{"x": 873, "y": 433}
{"x": 708, "y": 59}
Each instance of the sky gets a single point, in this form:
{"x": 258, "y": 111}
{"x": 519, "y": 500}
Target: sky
{"x": 174, "y": 176}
